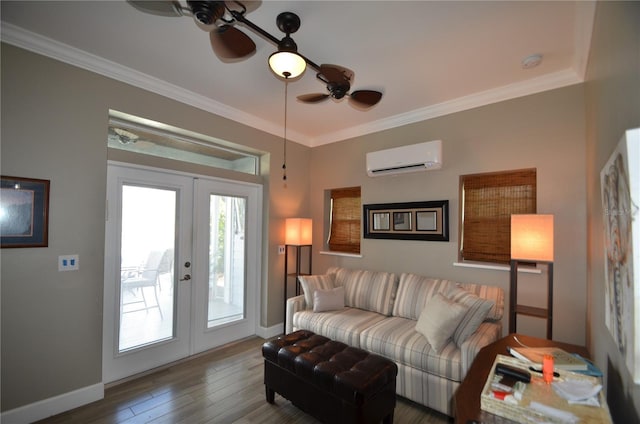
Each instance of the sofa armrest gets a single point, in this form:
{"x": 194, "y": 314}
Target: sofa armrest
{"x": 294, "y": 304}
{"x": 487, "y": 333}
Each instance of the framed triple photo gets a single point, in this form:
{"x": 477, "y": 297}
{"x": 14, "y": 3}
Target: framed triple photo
{"x": 407, "y": 221}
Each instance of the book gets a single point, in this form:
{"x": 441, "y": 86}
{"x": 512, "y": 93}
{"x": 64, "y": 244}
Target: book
{"x": 561, "y": 358}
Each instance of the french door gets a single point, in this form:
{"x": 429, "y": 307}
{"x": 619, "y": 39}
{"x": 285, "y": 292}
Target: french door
{"x": 182, "y": 265}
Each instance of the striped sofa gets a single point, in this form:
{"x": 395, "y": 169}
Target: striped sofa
{"x": 380, "y": 314}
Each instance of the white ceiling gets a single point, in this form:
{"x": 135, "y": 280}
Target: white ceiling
{"x": 429, "y": 58}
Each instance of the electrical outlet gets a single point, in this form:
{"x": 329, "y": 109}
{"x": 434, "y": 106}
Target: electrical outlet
{"x": 68, "y": 263}
{"x": 281, "y": 250}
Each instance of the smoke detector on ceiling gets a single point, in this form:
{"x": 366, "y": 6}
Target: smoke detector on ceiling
{"x": 531, "y": 61}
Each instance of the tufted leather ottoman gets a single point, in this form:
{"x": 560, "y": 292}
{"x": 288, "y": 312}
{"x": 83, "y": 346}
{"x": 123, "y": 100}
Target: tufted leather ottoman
{"x": 330, "y": 380}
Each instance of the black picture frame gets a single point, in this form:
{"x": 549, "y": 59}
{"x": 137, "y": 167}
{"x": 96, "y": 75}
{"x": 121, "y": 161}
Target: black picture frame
{"x": 427, "y": 220}
{"x": 24, "y": 206}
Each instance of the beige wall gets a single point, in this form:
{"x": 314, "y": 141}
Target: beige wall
{"x": 543, "y": 131}
{"x": 54, "y": 126}
{"x": 54, "y": 120}
{"x": 613, "y": 106}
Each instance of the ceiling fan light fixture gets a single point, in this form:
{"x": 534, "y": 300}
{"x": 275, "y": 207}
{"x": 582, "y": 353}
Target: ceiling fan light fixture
{"x": 287, "y": 64}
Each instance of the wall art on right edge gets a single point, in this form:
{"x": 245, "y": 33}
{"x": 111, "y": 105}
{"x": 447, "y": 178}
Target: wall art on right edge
{"x": 427, "y": 220}
{"x": 620, "y": 186}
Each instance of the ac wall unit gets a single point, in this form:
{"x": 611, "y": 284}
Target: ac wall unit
{"x": 413, "y": 158}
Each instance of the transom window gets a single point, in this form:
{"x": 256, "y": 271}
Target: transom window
{"x": 143, "y": 136}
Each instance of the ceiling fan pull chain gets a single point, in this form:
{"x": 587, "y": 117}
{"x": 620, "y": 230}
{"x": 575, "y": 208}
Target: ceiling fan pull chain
{"x": 284, "y": 163}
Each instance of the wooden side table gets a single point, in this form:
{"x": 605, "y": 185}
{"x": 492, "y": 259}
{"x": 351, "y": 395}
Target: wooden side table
{"x": 467, "y": 398}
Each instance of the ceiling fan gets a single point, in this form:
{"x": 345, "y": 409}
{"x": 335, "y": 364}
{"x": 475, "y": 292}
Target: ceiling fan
{"x": 231, "y": 44}
{"x": 338, "y": 81}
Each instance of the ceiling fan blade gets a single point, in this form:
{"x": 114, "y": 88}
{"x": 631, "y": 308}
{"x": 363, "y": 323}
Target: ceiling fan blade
{"x": 365, "y": 97}
{"x": 336, "y": 73}
{"x": 228, "y": 42}
{"x": 158, "y": 7}
{"x": 313, "y": 98}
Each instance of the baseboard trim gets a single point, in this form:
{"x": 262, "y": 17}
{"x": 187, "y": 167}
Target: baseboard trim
{"x": 269, "y": 332}
{"x": 53, "y": 405}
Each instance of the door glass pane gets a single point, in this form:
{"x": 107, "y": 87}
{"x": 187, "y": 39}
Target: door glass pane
{"x": 146, "y": 268}
{"x": 226, "y": 260}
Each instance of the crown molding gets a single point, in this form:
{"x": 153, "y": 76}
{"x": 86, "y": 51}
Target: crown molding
{"x": 585, "y": 18}
{"x": 36, "y": 43}
{"x": 19, "y": 37}
{"x": 507, "y": 92}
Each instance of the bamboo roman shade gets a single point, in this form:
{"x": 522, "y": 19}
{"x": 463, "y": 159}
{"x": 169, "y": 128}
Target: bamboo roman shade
{"x": 489, "y": 200}
{"x": 345, "y": 220}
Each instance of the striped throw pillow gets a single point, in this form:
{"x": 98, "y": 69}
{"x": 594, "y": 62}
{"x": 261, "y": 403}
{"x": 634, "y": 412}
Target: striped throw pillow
{"x": 478, "y": 308}
{"x": 311, "y": 283}
{"x": 414, "y": 291}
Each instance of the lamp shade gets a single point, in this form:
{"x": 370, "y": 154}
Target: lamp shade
{"x": 287, "y": 64}
{"x": 298, "y": 231}
{"x": 532, "y": 238}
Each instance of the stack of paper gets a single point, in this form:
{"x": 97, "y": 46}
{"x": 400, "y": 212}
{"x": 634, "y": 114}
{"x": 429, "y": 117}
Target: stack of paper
{"x": 582, "y": 392}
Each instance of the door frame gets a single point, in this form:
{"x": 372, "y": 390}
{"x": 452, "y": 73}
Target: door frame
{"x": 201, "y": 339}
{"x": 111, "y": 268}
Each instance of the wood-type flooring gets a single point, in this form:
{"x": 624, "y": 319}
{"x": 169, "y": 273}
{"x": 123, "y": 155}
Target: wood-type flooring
{"x": 224, "y": 385}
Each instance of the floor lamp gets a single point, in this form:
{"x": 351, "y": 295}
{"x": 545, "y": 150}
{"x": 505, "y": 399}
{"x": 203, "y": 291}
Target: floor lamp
{"x": 298, "y": 234}
{"x": 531, "y": 241}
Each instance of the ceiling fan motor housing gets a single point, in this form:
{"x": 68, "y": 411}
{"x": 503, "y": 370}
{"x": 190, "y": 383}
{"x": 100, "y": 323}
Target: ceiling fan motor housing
{"x": 206, "y": 12}
{"x": 338, "y": 90}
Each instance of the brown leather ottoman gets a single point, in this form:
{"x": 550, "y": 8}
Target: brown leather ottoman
{"x": 330, "y": 380}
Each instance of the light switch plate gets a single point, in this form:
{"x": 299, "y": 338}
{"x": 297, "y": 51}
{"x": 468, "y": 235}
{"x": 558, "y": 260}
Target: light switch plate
{"x": 68, "y": 263}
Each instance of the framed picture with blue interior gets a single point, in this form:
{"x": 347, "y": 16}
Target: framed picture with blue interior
{"x": 24, "y": 212}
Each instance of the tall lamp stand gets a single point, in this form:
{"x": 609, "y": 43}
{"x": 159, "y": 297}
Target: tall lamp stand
{"x": 531, "y": 242}
{"x": 516, "y": 309}
{"x": 298, "y": 236}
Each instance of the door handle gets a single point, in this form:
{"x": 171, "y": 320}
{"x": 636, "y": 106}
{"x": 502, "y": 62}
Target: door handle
{"x": 186, "y": 277}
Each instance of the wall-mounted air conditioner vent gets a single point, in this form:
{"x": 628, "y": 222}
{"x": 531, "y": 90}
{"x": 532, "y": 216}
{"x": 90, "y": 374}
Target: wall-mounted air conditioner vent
{"x": 416, "y": 157}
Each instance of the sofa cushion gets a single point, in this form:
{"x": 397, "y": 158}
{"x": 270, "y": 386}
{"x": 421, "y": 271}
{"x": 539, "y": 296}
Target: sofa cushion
{"x": 477, "y": 309}
{"x": 414, "y": 291}
{"x": 328, "y": 300}
{"x": 396, "y": 338}
{"x": 439, "y": 319}
{"x": 496, "y": 294}
{"x": 344, "y": 325}
{"x": 369, "y": 290}
{"x": 311, "y": 283}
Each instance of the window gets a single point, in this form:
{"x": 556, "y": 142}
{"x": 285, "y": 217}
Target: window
{"x": 487, "y": 203}
{"x": 143, "y": 136}
{"x": 344, "y": 228}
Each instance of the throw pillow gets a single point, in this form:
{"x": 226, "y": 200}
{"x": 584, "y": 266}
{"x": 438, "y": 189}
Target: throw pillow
{"x": 414, "y": 291}
{"x": 439, "y": 319}
{"x": 328, "y": 300}
{"x": 369, "y": 290}
{"x": 477, "y": 310}
{"x": 490, "y": 293}
{"x": 311, "y": 283}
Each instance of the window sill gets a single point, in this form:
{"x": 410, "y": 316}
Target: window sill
{"x": 348, "y": 255}
{"x": 478, "y": 265}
